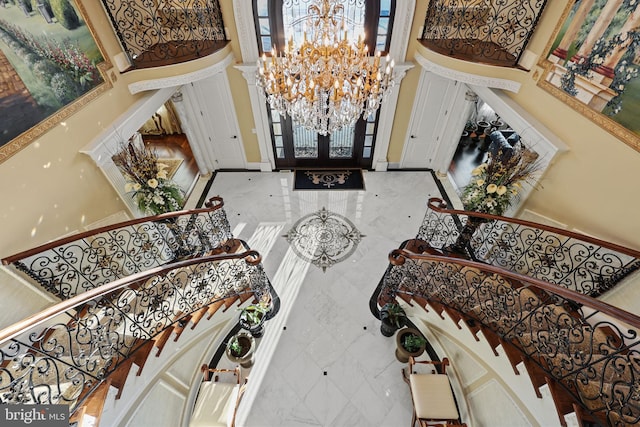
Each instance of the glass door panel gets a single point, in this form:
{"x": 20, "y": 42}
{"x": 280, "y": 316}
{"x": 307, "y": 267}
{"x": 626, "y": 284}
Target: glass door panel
{"x": 305, "y": 143}
{"x": 341, "y": 143}
{"x": 297, "y": 147}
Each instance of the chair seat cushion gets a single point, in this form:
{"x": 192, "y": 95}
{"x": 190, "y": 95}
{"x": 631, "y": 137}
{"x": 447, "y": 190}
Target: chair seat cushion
{"x": 215, "y": 405}
{"x": 432, "y": 397}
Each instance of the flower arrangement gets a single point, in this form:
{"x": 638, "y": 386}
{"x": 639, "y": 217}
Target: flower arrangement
{"x": 147, "y": 180}
{"x": 497, "y": 182}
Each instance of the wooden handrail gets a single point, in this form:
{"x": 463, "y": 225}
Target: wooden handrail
{"x": 252, "y": 257}
{"x": 398, "y": 257}
{"x": 438, "y": 205}
{"x": 213, "y": 204}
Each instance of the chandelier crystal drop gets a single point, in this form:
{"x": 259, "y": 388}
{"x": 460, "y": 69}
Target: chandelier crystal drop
{"x": 327, "y": 82}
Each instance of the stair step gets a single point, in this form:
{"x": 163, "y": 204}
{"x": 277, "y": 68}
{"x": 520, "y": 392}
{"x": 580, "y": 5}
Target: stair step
{"x": 161, "y": 339}
{"x": 422, "y": 302}
{"x": 246, "y": 297}
{"x": 141, "y": 355}
{"x": 228, "y": 302}
{"x": 492, "y": 339}
{"x": 90, "y": 412}
{"x": 197, "y": 316}
{"x": 454, "y": 315}
{"x": 118, "y": 377}
{"x": 536, "y": 374}
{"x": 437, "y": 307}
{"x": 180, "y": 326}
{"x": 562, "y": 400}
{"x": 513, "y": 354}
{"x": 214, "y": 307}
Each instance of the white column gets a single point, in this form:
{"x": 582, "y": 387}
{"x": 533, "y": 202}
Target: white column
{"x": 385, "y": 120}
{"x": 260, "y": 117}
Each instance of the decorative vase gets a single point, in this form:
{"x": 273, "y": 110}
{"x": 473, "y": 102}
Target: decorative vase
{"x": 497, "y": 123}
{"x": 392, "y": 318}
{"x": 255, "y": 329}
{"x": 245, "y": 356}
{"x": 402, "y": 353}
{"x": 482, "y": 125}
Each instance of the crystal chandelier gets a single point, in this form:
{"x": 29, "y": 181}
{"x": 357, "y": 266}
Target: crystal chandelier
{"x": 327, "y": 82}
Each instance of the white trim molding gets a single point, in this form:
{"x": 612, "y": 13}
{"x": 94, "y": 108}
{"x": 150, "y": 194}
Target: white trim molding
{"x": 181, "y": 79}
{"x": 387, "y": 115}
{"x": 260, "y": 117}
{"x": 243, "y": 13}
{"x": 108, "y": 142}
{"x": 470, "y": 79}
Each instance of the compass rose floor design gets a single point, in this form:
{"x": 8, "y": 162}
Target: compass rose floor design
{"x": 324, "y": 238}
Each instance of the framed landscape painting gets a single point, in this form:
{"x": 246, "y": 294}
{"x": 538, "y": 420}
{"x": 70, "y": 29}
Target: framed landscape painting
{"x": 50, "y": 66}
{"x": 593, "y": 63}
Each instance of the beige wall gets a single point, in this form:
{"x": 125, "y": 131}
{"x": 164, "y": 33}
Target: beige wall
{"x": 50, "y": 189}
{"x": 239, "y": 88}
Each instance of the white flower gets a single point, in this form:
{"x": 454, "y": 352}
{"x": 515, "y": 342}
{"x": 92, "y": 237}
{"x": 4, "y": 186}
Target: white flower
{"x": 477, "y": 171}
{"x": 492, "y": 188}
{"x": 501, "y": 190}
{"x": 480, "y": 182}
{"x": 162, "y": 174}
{"x": 158, "y": 200}
{"x": 153, "y": 183}
{"x": 137, "y": 186}
{"x": 129, "y": 187}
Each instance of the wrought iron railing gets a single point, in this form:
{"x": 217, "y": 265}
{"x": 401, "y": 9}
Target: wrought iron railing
{"x": 571, "y": 260}
{"x": 489, "y": 31}
{"x": 588, "y": 347}
{"x": 88, "y": 260}
{"x": 166, "y": 31}
{"x": 59, "y": 356}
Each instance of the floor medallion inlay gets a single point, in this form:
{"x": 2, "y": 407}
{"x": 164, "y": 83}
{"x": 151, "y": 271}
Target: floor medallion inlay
{"x": 324, "y": 238}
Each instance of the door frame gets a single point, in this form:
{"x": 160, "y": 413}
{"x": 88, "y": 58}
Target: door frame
{"x": 323, "y": 160}
{"x": 245, "y": 25}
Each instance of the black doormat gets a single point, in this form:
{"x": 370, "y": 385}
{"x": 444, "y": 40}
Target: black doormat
{"x": 324, "y": 179}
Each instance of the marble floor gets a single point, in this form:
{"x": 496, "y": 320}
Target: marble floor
{"x": 323, "y": 361}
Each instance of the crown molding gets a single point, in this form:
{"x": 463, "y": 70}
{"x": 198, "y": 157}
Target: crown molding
{"x": 468, "y": 78}
{"x": 181, "y": 79}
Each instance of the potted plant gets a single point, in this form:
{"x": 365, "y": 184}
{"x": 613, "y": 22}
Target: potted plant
{"x": 252, "y": 318}
{"x": 410, "y": 342}
{"x": 482, "y": 125}
{"x": 240, "y": 349}
{"x": 392, "y": 318}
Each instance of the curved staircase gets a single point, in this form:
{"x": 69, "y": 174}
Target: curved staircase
{"x": 582, "y": 349}
{"x": 132, "y": 296}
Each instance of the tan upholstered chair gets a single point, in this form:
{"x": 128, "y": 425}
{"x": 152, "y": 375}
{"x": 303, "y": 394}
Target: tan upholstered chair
{"x": 217, "y": 402}
{"x": 433, "y": 402}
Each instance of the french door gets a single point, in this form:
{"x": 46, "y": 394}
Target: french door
{"x": 297, "y": 147}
